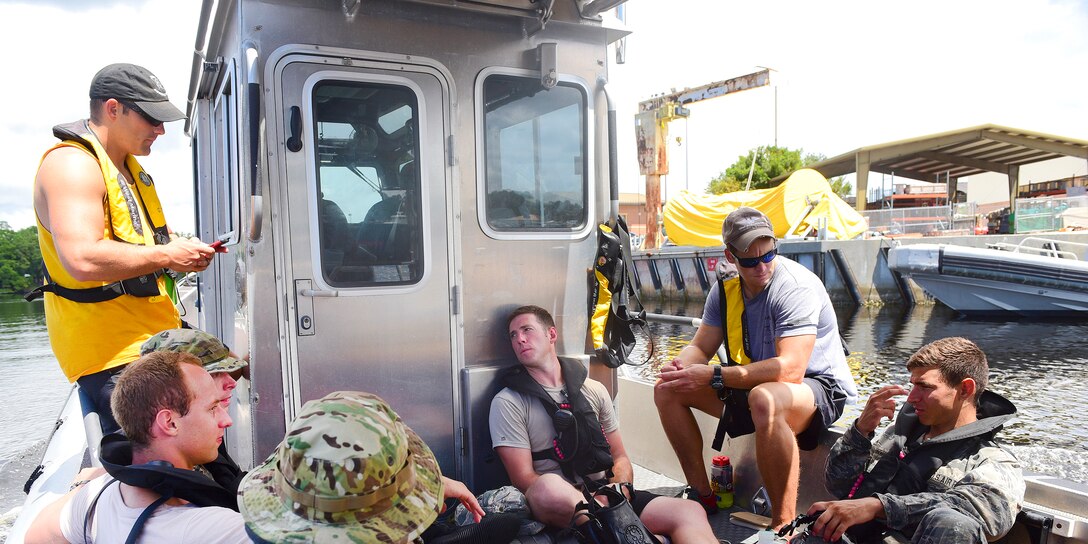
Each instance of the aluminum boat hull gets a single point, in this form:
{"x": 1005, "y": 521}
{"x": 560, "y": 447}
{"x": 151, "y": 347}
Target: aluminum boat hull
{"x": 978, "y": 281}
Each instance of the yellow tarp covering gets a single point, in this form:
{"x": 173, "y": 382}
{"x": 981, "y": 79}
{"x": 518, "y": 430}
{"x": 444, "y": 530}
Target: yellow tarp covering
{"x": 805, "y": 197}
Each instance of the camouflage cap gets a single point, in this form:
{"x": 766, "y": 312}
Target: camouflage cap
{"x": 212, "y": 353}
{"x": 348, "y": 470}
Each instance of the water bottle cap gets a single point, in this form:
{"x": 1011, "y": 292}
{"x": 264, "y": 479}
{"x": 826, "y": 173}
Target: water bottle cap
{"x": 720, "y": 460}
{"x": 725, "y": 459}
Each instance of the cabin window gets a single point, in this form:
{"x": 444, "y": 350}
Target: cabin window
{"x": 224, "y": 167}
{"x": 368, "y": 185}
{"x": 534, "y": 155}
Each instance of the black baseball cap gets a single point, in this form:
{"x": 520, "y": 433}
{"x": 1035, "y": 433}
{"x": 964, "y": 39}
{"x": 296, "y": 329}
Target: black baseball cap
{"x": 745, "y": 225}
{"x": 135, "y": 84}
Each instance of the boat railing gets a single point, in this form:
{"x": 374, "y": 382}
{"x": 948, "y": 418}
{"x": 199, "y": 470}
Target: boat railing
{"x": 683, "y": 321}
{"x": 1047, "y": 247}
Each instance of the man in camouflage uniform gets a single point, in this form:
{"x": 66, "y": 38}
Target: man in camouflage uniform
{"x": 350, "y": 470}
{"x": 936, "y": 474}
{"x": 226, "y": 370}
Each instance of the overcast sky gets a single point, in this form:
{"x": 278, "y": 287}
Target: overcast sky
{"x": 848, "y": 74}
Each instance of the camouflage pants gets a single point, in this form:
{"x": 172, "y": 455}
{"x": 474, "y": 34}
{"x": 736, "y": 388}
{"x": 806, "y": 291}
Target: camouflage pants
{"x": 948, "y": 525}
{"x": 941, "y": 525}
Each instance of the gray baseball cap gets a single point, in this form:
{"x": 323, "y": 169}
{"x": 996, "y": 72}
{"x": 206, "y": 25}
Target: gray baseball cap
{"x": 137, "y": 85}
{"x": 745, "y": 225}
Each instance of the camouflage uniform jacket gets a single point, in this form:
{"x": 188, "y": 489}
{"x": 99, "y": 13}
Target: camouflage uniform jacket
{"x": 985, "y": 484}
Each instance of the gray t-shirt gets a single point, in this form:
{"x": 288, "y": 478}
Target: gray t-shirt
{"x": 794, "y": 303}
{"x": 519, "y": 420}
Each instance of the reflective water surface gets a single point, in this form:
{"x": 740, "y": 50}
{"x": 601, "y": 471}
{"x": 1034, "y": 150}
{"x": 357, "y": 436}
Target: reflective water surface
{"x": 1041, "y": 366}
{"x": 32, "y": 387}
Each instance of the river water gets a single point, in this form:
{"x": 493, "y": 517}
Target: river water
{"x": 32, "y": 387}
{"x": 1042, "y": 367}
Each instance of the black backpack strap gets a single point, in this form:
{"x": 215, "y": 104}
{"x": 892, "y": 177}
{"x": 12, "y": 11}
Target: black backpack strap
{"x": 90, "y": 509}
{"x": 138, "y": 526}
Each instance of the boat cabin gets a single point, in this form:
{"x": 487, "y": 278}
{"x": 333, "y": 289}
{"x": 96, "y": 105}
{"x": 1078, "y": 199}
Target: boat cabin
{"x": 393, "y": 177}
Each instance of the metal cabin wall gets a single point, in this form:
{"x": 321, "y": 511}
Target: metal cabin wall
{"x": 492, "y": 276}
{"x": 250, "y": 325}
{"x": 497, "y": 275}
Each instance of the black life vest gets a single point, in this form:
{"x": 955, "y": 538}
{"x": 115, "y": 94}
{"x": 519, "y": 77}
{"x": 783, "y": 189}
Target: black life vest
{"x": 582, "y": 449}
{"x": 909, "y": 464}
{"x": 165, "y": 479}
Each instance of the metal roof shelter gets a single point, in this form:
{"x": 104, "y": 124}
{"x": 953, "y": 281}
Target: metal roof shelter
{"x": 952, "y": 155}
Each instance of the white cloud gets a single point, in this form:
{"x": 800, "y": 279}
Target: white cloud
{"x": 852, "y": 73}
{"x": 52, "y": 55}
{"x": 849, "y": 74}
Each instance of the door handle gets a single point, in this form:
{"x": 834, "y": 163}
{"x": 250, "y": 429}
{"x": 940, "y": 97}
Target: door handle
{"x": 294, "y": 142}
{"x": 317, "y": 293}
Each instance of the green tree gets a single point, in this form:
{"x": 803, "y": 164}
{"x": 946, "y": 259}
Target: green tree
{"x": 771, "y": 162}
{"x": 20, "y": 259}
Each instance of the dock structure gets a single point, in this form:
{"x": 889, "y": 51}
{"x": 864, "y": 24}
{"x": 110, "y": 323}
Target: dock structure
{"x": 853, "y": 271}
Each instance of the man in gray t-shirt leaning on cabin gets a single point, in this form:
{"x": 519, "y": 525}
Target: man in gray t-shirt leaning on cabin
{"x": 787, "y": 379}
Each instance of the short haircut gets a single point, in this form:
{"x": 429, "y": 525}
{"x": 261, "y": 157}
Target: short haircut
{"x": 96, "y": 109}
{"x": 956, "y": 358}
{"x": 152, "y": 383}
{"x": 540, "y": 313}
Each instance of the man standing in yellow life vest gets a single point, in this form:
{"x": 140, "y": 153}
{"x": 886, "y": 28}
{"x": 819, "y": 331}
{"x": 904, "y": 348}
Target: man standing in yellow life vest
{"x": 103, "y": 237}
{"x": 786, "y": 379}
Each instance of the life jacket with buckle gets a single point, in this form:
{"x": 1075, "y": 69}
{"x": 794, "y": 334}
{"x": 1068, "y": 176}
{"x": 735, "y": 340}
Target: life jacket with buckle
{"x": 77, "y": 311}
{"x": 909, "y": 464}
{"x": 614, "y": 307}
{"x": 161, "y": 477}
{"x": 581, "y": 449}
{"x": 734, "y": 327}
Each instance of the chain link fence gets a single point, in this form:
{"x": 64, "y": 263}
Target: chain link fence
{"x": 1050, "y": 213}
{"x": 929, "y": 221}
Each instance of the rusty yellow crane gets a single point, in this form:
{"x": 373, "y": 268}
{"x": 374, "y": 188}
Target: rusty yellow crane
{"x": 652, "y": 131}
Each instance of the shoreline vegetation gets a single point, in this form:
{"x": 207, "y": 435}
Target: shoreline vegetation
{"x": 20, "y": 259}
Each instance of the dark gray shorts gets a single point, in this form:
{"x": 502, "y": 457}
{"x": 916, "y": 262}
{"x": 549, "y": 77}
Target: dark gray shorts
{"x": 830, "y": 401}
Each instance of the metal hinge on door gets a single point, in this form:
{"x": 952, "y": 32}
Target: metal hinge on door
{"x": 449, "y": 150}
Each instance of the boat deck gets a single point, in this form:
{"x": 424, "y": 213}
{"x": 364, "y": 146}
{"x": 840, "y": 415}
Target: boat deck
{"x": 726, "y": 531}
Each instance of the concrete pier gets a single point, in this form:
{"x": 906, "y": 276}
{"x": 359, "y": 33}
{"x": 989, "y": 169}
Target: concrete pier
{"x": 685, "y": 274}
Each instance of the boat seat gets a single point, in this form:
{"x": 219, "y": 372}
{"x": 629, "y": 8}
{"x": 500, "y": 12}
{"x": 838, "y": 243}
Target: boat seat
{"x": 335, "y": 235}
{"x": 387, "y": 230}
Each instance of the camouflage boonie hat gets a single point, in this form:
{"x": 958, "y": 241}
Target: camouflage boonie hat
{"x": 212, "y": 353}
{"x": 348, "y": 470}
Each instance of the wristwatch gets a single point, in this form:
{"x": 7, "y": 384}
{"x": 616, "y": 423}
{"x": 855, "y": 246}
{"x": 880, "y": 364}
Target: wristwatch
{"x": 716, "y": 382}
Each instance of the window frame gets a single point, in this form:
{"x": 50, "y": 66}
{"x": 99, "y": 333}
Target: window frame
{"x": 481, "y": 161}
{"x": 225, "y": 146}
{"x": 312, "y": 178}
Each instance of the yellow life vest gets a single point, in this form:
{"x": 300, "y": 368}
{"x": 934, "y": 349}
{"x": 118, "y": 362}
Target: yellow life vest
{"x": 89, "y": 337}
{"x": 734, "y": 328}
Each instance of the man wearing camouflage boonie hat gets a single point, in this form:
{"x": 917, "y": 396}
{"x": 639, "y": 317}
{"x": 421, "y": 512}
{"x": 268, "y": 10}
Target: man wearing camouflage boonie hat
{"x": 225, "y": 369}
{"x": 348, "y": 470}
{"x": 213, "y": 354}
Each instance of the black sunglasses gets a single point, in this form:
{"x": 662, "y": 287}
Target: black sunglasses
{"x": 150, "y": 120}
{"x": 752, "y": 262}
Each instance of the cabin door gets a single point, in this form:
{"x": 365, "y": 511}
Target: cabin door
{"x": 368, "y": 260}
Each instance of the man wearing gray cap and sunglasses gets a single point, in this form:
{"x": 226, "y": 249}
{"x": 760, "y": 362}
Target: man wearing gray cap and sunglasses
{"x": 103, "y": 237}
{"x": 786, "y": 378}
